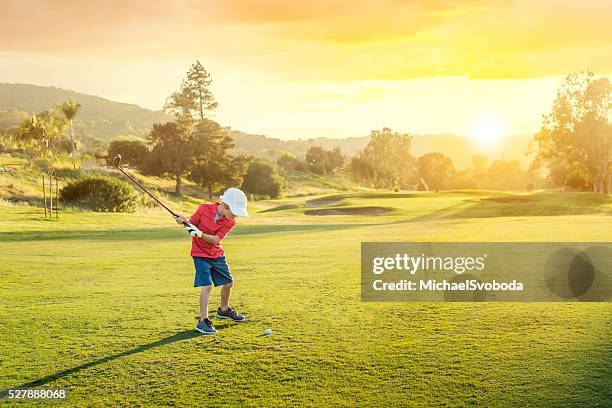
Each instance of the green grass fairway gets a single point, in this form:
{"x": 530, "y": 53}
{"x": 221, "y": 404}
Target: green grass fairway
{"x": 103, "y": 305}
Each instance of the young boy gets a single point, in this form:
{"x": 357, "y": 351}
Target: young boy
{"x": 215, "y": 221}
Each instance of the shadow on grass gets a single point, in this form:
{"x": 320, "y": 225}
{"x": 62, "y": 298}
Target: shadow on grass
{"x": 532, "y": 205}
{"x": 162, "y": 233}
{"x": 27, "y": 199}
{"x": 280, "y": 208}
{"x": 110, "y": 235}
{"x": 367, "y": 211}
{"x": 336, "y": 198}
{"x": 184, "y": 335}
{"x": 535, "y": 205}
{"x": 434, "y": 215}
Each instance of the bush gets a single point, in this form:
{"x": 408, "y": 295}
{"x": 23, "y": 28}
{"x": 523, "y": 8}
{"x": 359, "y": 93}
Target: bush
{"x": 262, "y": 179}
{"x": 287, "y": 161}
{"x": 42, "y": 164}
{"x": 67, "y": 173}
{"x": 301, "y": 166}
{"x": 133, "y": 153}
{"x": 100, "y": 194}
{"x": 321, "y": 161}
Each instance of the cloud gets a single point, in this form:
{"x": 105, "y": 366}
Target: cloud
{"x": 333, "y": 40}
{"x": 345, "y": 21}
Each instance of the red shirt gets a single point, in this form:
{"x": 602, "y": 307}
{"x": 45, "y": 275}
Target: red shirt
{"x": 204, "y": 219}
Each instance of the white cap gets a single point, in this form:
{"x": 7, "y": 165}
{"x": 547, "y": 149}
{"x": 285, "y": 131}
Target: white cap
{"x": 237, "y": 201}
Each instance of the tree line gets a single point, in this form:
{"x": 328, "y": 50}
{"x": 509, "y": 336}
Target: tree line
{"x": 575, "y": 140}
{"x": 387, "y": 162}
{"x": 189, "y": 146}
{"x": 573, "y": 148}
{"x": 47, "y": 133}
{"x": 195, "y": 147}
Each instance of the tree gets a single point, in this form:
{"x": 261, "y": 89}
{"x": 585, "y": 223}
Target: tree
{"x": 577, "y": 134}
{"x": 506, "y": 175}
{"x": 386, "y": 161}
{"x": 43, "y": 132}
{"x": 477, "y": 175}
{"x": 94, "y": 146}
{"x": 465, "y": 179}
{"x": 212, "y": 165}
{"x": 436, "y": 169}
{"x": 6, "y": 141}
{"x": 194, "y": 100}
{"x": 234, "y": 171}
{"x": 479, "y": 163}
{"x": 361, "y": 168}
{"x": 577, "y": 177}
{"x": 172, "y": 151}
{"x": 316, "y": 159}
{"x": 287, "y": 160}
{"x": 70, "y": 109}
{"x": 192, "y": 143}
{"x": 321, "y": 161}
{"x": 335, "y": 159}
{"x": 263, "y": 179}
{"x": 32, "y": 132}
{"x": 134, "y": 153}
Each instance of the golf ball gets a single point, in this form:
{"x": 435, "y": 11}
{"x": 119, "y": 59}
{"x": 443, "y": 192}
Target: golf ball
{"x": 268, "y": 331}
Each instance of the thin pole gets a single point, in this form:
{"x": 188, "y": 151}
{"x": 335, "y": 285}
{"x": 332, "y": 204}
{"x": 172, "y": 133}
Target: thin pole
{"x": 56, "y": 198}
{"x": 45, "y": 195}
{"x": 50, "y": 196}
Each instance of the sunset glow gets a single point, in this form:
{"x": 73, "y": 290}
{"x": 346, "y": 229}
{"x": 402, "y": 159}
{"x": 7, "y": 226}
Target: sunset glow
{"x": 319, "y": 68}
{"x": 487, "y": 131}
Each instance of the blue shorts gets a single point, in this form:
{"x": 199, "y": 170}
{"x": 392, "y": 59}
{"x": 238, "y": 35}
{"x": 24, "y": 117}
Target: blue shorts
{"x": 211, "y": 270}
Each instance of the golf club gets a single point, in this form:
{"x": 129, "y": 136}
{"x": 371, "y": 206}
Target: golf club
{"x": 191, "y": 229}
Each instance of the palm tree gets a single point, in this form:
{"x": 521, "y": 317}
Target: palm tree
{"x": 70, "y": 109}
{"x": 32, "y": 132}
{"x": 42, "y": 131}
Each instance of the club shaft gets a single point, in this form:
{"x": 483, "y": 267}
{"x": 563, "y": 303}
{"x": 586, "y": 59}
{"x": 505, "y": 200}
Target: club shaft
{"x": 145, "y": 190}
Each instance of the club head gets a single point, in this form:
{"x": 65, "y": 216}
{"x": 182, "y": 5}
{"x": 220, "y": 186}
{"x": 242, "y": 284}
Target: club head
{"x": 118, "y": 160}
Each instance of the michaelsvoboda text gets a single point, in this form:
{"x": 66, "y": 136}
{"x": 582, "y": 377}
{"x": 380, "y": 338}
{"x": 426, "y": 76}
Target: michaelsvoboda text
{"x": 458, "y": 264}
{"x": 444, "y": 285}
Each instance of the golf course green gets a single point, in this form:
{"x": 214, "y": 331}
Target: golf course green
{"x": 102, "y": 304}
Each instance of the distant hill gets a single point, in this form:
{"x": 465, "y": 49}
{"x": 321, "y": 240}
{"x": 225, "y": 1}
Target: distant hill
{"x": 101, "y": 117}
{"x": 11, "y": 117}
{"x": 264, "y": 146}
{"x": 106, "y": 119}
{"x": 459, "y": 149}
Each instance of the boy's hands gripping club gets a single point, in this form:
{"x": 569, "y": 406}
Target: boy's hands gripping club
{"x": 195, "y": 232}
{"x": 191, "y": 229}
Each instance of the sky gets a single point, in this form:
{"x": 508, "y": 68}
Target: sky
{"x": 332, "y": 68}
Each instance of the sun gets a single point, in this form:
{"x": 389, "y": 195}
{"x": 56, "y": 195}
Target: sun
{"x": 487, "y": 131}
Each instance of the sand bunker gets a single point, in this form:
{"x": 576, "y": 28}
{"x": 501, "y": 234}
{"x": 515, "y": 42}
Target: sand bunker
{"x": 509, "y": 200}
{"x": 322, "y": 202}
{"x": 348, "y": 211}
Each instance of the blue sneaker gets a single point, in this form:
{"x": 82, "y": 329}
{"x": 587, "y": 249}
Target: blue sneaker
{"x": 230, "y": 313}
{"x": 206, "y": 327}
